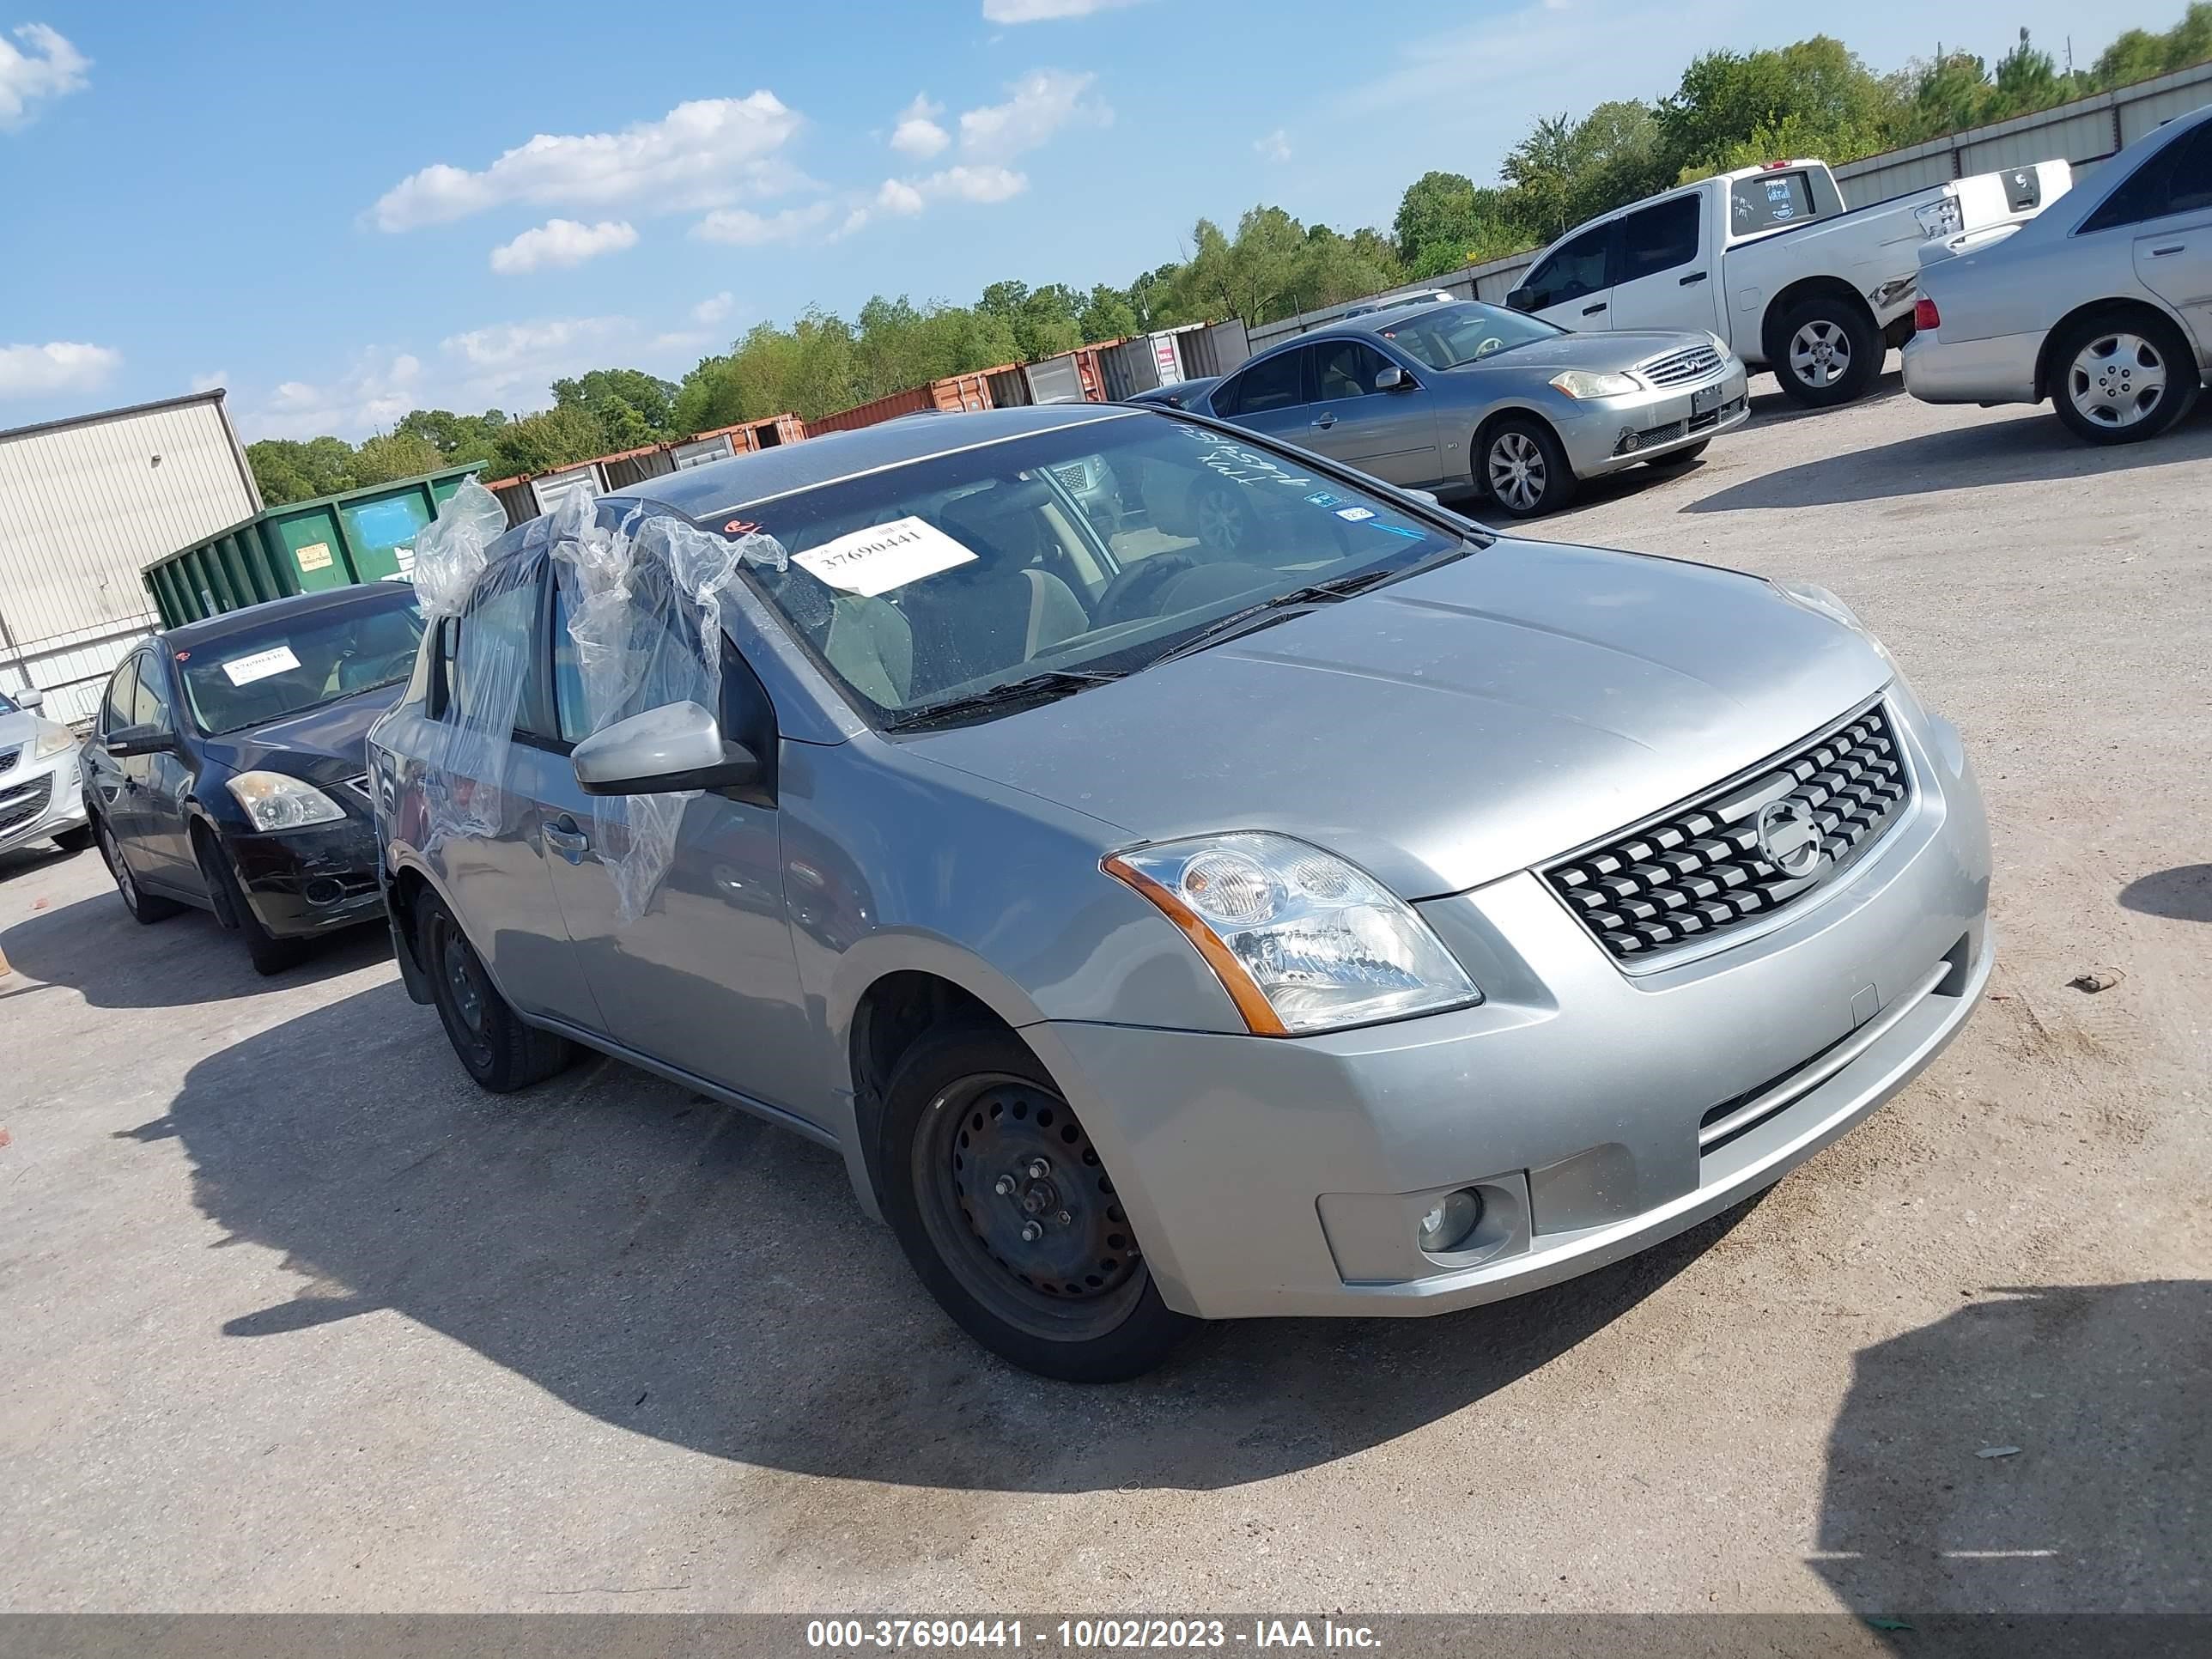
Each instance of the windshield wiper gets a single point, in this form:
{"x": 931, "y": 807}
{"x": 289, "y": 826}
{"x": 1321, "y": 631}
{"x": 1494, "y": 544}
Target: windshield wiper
{"x": 1253, "y": 617}
{"x": 1030, "y": 689}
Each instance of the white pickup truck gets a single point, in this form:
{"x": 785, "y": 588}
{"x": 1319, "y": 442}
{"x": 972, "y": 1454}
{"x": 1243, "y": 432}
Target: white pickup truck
{"x": 1770, "y": 261}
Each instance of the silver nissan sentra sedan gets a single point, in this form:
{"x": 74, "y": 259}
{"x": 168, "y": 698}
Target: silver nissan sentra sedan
{"x": 1382, "y": 919}
{"x": 1464, "y": 399}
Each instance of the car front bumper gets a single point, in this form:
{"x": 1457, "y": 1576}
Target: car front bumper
{"x": 1593, "y": 431}
{"x": 1273, "y": 1176}
{"x": 39, "y": 798}
{"x": 1997, "y": 370}
{"x": 304, "y": 882}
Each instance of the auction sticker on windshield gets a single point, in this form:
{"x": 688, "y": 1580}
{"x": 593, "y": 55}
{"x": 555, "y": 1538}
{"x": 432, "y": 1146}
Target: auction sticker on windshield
{"x": 882, "y": 557}
{"x": 277, "y": 660}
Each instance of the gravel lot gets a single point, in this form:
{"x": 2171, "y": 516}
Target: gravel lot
{"x": 292, "y": 1318}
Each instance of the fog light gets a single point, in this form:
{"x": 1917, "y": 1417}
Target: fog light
{"x": 1629, "y": 441}
{"x": 1450, "y": 1220}
{"x": 323, "y": 890}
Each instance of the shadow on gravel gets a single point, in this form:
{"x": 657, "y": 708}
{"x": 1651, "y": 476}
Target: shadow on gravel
{"x": 2032, "y": 448}
{"x": 181, "y": 962}
{"x": 2184, "y": 893}
{"x": 684, "y": 1271}
{"x": 2046, "y": 1450}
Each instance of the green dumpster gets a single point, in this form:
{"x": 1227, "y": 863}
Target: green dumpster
{"x": 362, "y": 536}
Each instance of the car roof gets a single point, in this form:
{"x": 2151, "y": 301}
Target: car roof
{"x": 1374, "y": 322}
{"x": 719, "y": 486}
{"x": 252, "y": 617}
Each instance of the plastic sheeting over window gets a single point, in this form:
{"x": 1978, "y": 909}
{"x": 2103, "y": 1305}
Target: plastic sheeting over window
{"x": 639, "y": 611}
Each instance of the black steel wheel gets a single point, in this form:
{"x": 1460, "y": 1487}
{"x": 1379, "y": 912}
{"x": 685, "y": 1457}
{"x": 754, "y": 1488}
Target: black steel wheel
{"x": 495, "y": 1045}
{"x": 1009, "y": 1214}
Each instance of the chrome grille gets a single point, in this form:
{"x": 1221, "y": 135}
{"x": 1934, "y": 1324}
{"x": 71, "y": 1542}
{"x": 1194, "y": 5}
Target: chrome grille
{"x": 1698, "y": 870}
{"x": 1678, "y": 367}
{"x": 21, "y": 805}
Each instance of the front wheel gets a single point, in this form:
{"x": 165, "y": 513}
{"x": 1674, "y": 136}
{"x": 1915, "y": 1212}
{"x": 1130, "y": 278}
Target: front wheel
{"x": 1225, "y": 520}
{"x": 1831, "y": 352}
{"x": 2120, "y": 378}
{"x": 495, "y": 1047}
{"x": 1010, "y": 1219}
{"x": 1523, "y": 468}
{"x": 270, "y": 954}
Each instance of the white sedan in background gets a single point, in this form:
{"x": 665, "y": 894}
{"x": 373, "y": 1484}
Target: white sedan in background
{"x": 2102, "y": 304}
{"x": 40, "y": 794}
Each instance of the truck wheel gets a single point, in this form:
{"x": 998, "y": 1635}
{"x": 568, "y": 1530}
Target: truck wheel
{"x": 495, "y": 1047}
{"x": 1830, "y": 351}
{"x": 1008, "y": 1215}
{"x": 1522, "y": 467}
{"x": 2122, "y": 377}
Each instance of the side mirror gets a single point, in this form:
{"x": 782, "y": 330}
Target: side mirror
{"x": 674, "y": 747}
{"x": 128, "y": 740}
{"x": 30, "y": 699}
{"x": 1525, "y": 298}
{"x": 1391, "y": 378}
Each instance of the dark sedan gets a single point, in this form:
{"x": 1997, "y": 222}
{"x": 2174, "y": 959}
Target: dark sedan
{"x": 227, "y": 770}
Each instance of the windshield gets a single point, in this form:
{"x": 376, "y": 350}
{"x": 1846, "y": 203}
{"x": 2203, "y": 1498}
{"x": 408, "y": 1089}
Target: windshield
{"x": 1089, "y": 551}
{"x": 1468, "y": 332}
{"x": 286, "y": 667}
{"x": 8, "y": 705}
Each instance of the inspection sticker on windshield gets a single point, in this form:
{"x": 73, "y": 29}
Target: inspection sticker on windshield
{"x": 1354, "y": 513}
{"x": 1322, "y": 498}
{"x": 882, "y": 557}
{"x": 244, "y": 671}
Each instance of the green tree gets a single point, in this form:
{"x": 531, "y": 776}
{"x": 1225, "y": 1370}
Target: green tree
{"x": 1728, "y": 103}
{"x": 394, "y": 455}
{"x": 1108, "y": 315}
{"x": 459, "y": 439}
{"x": 288, "y": 470}
{"x": 561, "y": 436}
{"x": 649, "y": 396}
{"x": 2137, "y": 55}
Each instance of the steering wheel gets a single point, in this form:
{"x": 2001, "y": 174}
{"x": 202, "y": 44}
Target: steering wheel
{"x": 1493, "y": 343}
{"x": 1125, "y": 597}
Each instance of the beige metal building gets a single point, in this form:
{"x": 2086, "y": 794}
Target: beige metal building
{"x": 85, "y": 505}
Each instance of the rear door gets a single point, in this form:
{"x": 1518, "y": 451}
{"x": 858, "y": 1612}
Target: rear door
{"x": 1662, "y": 272}
{"x": 2174, "y": 241}
{"x": 112, "y": 787}
{"x": 164, "y": 780}
{"x": 496, "y": 785}
{"x": 1572, "y": 285}
{"x": 1391, "y": 435}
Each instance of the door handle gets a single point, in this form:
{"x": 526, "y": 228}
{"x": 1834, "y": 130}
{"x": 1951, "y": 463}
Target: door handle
{"x": 2161, "y": 252}
{"x": 1592, "y": 311}
{"x": 1325, "y": 421}
{"x": 564, "y": 840}
{"x": 1694, "y": 277}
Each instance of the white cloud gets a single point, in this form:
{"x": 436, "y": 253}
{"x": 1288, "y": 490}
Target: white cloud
{"x": 210, "y": 380}
{"x": 32, "y": 371}
{"x": 561, "y": 243}
{"x": 965, "y": 184}
{"x": 713, "y": 308}
{"x": 378, "y": 387}
{"x": 504, "y": 353}
{"x": 742, "y": 228}
{"x": 45, "y": 66}
{"x": 1043, "y": 102}
{"x": 1046, "y": 11}
{"x": 1275, "y": 147}
{"x": 917, "y": 133}
{"x": 700, "y": 155}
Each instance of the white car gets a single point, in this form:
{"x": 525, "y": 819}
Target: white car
{"x": 40, "y": 797}
{"x": 1427, "y": 296}
{"x": 1769, "y": 260}
{"x": 2103, "y": 306}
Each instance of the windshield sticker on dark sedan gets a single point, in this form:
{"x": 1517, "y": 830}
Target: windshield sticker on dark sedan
{"x": 277, "y": 660}
{"x": 882, "y": 557}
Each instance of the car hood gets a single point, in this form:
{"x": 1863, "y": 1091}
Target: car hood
{"x": 327, "y": 743}
{"x": 1600, "y": 353}
{"x": 18, "y": 730}
{"x": 1451, "y": 728}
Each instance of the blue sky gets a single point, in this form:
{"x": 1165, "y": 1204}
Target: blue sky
{"x": 344, "y": 213}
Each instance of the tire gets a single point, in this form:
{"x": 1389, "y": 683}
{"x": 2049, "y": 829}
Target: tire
{"x": 968, "y": 1106}
{"x": 1679, "y": 457}
{"x": 1522, "y": 468}
{"x": 1826, "y": 351}
{"x": 144, "y": 907}
{"x": 73, "y": 841}
{"x": 1222, "y": 518}
{"x": 2122, "y": 377}
{"x": 495, "y": 1045}
{"x": 270, "y": 955}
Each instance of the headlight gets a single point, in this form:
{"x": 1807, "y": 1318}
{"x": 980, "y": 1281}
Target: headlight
{"x": 1302, "y": 940}
{"x": 1581, "y": 383}
{"x": 1812, "y": 597}
{"x": 273, "y": 801}
{"x": 52, "y": 739}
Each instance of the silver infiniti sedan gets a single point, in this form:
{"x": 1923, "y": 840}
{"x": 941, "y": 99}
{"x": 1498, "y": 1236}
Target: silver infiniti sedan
{"x": 1387, "y": 918}
{"x": 1464, "y": 398}
{"x": 2102, "y": 303}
